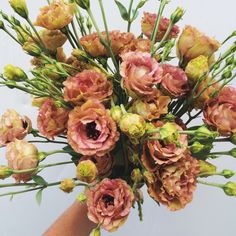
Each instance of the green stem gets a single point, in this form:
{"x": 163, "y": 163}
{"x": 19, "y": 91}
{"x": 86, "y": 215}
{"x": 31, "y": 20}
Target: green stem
{"x": 13, "y": 37}
{"x": 211, "y": 184}
{"x": 76, "y": 34}
{"x": 129, "y": 13}
{"x": 47, "y": 141}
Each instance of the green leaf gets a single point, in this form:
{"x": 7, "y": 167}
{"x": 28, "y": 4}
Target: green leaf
{"x": 123, "y": 12}
{"x": 135, "y": 15}
{"x": 39, "y": 196}
{"x": 39, "y": 180}
{"x": 141, "y": 3}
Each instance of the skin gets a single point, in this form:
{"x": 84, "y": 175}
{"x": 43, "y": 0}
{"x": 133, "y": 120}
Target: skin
{"x": 73, "y": 222}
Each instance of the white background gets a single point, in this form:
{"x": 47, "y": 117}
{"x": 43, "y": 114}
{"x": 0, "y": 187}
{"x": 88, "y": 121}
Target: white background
{"x": 211, "y": 212}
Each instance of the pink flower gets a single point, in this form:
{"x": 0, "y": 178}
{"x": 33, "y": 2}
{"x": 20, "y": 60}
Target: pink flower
{"x": 52, "y": 120}
{"x": 86, "y": 85}
{"x": 109, "y": 203}
{"x": 148, "y": 23}
{"x": 140, "y": 73}
{"x": 22, "y": 155}
{"x": 220, "y": 112}
{"x": 91, "y": 130}
{"x": 13, "y": 126}
{"x": 174, "y": 81}
{"x": 138, "y": 45}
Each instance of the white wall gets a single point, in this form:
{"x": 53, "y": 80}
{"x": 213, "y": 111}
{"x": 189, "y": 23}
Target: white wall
{"x": 211, "y": 212}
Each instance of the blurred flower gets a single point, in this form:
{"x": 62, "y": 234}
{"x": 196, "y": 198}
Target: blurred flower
{"x": 92, "y": 44}
{"x": 192, "y": 44}
{"x": 174, "y": 81}
{"x": 5, "y": 172}
{"x": 56, "y": 15}
{"x": 109, "y": 203}
{"x": 22, "y": 155}
{"x": 138, "y": 45}
{"x": 13, "y": 126}
{"x": 148, "y": 23}
{"x": 175, "y": 183}
{"x": 140, "y": 73}
{"x": 91, "y": 131}
{"x": 20, "y": 7}
{"x": 104, "y": 163}
{"x": 86, "y": 171}
{"x": 67, "y": 185}
{"x": 151, "y": 108}
{"x": 220, "y": 112}
{"x": 52, "y": 120}
{"x": 14, "y": 73}
{"x": 86, "y": 85}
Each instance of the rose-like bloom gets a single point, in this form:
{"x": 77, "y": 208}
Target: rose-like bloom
{"x": 86, "y": 85}
{"x": 192, "y": 43}
{"x": 86, "y": 171}
{"x": 56, "y": 15}
{"x": 67, "y": 185}
{"x": 220, "y": 112}
{"x": 148, "y": 23}
{"x": 160, "y": 152}
{"x": 151, "y": 108}
{"x": 52, "y": 120}
{"x": 140, "y": 73}
{"x": 104, "y": 163}
{"x": 92, "y": 44}
{"x": 109, "y": 203}
{"x": 13, "y": 126}
{"x": 22, "y": 155}
{"x": 175, "y": 183}
{"x": 91, "y": 130}
{"x": 174, "y": 81}
{"x": 138, "y": 45}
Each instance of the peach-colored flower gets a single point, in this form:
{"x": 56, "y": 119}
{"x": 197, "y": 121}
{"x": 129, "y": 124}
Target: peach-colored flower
{"x": 86, "y": 85}
{"x": 140, "y": 73}
{"x": 52, "y": 120}
{"x": 56, "y": 15}
{"x": 104, "y": 163}
{"x": 22, "y": 155}
{"x": 192, "y": 43}
{"x": 13, "y": 126}
{"x": 175, "y": 183}
{"x": 109, "y": 203}
{"x": 138, "y": 45}
{"x": 148, "y": 23}
{"x": 174, "y": 81}
{"x": 94, "y": 47}
{"x": 160, "y": 152}
{"x": 151, "y": 108}
{"x": 220, "y": 112}
{"x": 91, "y": 130}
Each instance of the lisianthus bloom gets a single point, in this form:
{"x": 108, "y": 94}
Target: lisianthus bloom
{"x": 166, "y": 151}
{"x": 175, "y": 183}
{"x": 56, "y": 15}
{"x": 86, "y": 171}
{"x": 138, "y": 45}
{"x": 109, "y": 203}
{"x": 52, "y": 120}
{"x": 151, "y": 108}
{"x": 104, "y": 163}
{"x": 86, "y": 85}
{"x": 220, "y": 112}
{"x": 148, "y": 23}
{"x": 13, "y": 126}
{"x": 174, "y": 81}
{"x": 91, "y": 130}
{"x": 92, "y": 43}
{"x": 140, "y": 73}
{"x": 22, "y": 155}
{"x": 192, "y": 43}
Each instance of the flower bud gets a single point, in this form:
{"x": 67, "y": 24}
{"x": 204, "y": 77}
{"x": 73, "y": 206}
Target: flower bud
{"x": 227, "y": 74}
{"x": 233, "y": 139}
{"x": 5, "y": 172}
{"x": 230, "y": 189}
{"x": 204, "y": 133}
{"x": 206, "y": 168}
{"x": 14, "y": 73}
{"x": 32, "y": 49}
{"x": 96, "y": 232}
{"x": 199, "y": 148}
{"x": 232, "y": 152}
{"x": 87, "y": 171}
{"x": 227, "y": 173}
{"x": 177, "y": 15}
{"x": 85, "y": 4}
{"x": 133, "y": 125}
{"x": 79, "y": 54}
{"x": 2, "y": 26}
{"x": 149, "y": 177}
{"x": 116, "y": 113}
{"x": 67, "y": 185}
{"x": 22, "y": 36}
{"x": 81, "y": 198}
{"x": 20, "y": 7}
{"x": 168, "y": 132}
{"x": 136, "y": 175}
{"x": 230, "y": 60}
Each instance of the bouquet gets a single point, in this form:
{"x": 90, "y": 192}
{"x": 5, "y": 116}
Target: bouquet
{"x": 120, "y": 105}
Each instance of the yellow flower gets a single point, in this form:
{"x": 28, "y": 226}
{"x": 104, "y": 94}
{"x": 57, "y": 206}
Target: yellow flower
{"x": 67, "y": 185}
{"x": 20, "y": 7}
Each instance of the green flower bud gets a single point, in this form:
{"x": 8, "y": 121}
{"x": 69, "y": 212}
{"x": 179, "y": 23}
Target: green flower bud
{"x": 14, "y": 73}
{"x": 21, "y": 35}
{"x": 86, "y": 171}
{"x": 232, "y": 152}
{"x": 2, "y": 26}
{"x": 85, "y": 4}
{"x": 204, "y": 133}
{"x": 206, "y": 168}
{"x": 233, "y": 139}
{"x": 81, "y": 198}
{"x": 5, "y": 172}
{"x": 116, "y": 113}
{"x": 199, "y": 148}
{"x": 227, "y": 173}
{"x": 32, "y": 49}
{"x": 230, "y": 189}
{"x": 96, "y": 232}
{"x": 136, "y": 175}
{"x": 20, "y": 7}
{"x": 168, "y": 133}
{"x": 177, "y": 15}
{"x": 227, "y": 74}
{"x": 89, "y": 24}
{"x": 230, "y": 60}
{"x": 79, "y": 54}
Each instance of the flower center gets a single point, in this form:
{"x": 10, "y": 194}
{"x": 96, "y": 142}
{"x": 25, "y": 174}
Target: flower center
{"x": 91, "y": 130}
{"x": 108, "y": 200}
